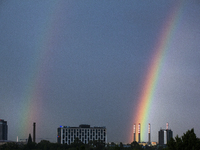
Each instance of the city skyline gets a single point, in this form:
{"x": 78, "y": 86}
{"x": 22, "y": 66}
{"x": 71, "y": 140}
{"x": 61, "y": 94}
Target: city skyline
{"x": 88, "y": 62}
{"x": 82, "y": 126}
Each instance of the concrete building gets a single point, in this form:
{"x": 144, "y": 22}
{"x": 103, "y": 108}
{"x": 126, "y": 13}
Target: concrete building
{"x": 84, "y": 133}
{"x": 3, "y": 130}
{"x": 164, "y": 135}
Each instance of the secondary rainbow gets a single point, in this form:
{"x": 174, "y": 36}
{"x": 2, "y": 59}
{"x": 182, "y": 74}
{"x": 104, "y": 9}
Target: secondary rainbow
{"x": 32, "y": 98}
{"x": 142, "y": 113}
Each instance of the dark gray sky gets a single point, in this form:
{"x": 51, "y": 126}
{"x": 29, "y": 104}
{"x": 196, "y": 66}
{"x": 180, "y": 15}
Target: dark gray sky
{"x": 74, "y": 62}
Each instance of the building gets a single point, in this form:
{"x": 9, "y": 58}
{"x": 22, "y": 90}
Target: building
{"x": 3, "y": 130}
{"x": 84, "y": 133}
{"x": 164, "y": 135}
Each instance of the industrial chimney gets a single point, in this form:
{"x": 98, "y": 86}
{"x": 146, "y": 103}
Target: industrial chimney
{"x": 139, "y": 133}
{"x": 167, "y": 126}
{"x": 134, "y": 132}
{"x": 149, "y": 133}
{"x": 34, "y": 132}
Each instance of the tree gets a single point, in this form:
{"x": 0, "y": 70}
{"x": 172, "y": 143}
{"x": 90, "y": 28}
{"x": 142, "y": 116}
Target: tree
{"x": 188, "y": 141}
{"x": 43, "y": 144}
{"x": 135, "y": 145}
{"x": 29, "y": 139}
{"x": 77, "y": 143}
{"x": 9, "y": 146}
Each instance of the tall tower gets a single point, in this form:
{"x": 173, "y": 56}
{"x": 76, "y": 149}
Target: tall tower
{"x": 139, "y": 133}
{"x": 134, "y": 133}
{"x": 149, "y": 133}
{"x": 34, "y": 131}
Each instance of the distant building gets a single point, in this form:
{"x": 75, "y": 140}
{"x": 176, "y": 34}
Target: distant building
{"x": 3, "y": 130}
{"x": 153, "y": 143}
{"x": 164, "y": 135}
{"x": 84, "y": 133}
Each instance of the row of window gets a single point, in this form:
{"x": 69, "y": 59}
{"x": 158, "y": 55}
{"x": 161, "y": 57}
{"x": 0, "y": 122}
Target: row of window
{"x": 84, "y": 130}
{"x": 68, "y": 141}
{"x": 83, "y": 134}
{"x": 91, "y": 137}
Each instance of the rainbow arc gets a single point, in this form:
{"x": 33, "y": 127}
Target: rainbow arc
{"x": 142, "y": 112}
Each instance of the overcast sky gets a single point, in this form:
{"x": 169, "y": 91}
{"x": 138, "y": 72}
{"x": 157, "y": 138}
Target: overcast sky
{"x": 75, "y": 62}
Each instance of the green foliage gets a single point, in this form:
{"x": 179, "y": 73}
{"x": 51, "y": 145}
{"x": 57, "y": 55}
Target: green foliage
{"x": 29, "y": 139}
{"x": 188, "y": 141}
{"x": 135, "y": 145}
{"x": 10, "y": 146}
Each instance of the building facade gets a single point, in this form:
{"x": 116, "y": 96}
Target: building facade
{"x": 84, "y": 133}
{"x": 164, "y": 136}
{"x": 3, "y": 130}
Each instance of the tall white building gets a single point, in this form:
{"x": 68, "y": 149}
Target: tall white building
{"x": 85, "y": 133}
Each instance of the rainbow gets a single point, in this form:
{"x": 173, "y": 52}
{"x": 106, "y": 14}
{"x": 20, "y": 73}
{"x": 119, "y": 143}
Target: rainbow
{"x": 142, "y": 112}
{"x": 32, "y": 98}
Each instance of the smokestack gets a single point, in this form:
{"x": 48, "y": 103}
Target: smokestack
{"x": 134, "y": 132}
{"x": 167, "y": 126}
{"x": 139, "y": 133}
{"x": 149, "y": 133}
{"x": 34, "y": 132}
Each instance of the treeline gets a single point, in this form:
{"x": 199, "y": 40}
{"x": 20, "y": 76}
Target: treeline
{"x": 77, "y": 145}
{"x": 188, "y": 141}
